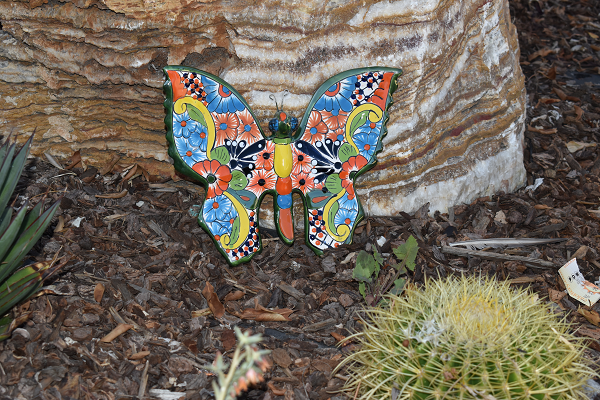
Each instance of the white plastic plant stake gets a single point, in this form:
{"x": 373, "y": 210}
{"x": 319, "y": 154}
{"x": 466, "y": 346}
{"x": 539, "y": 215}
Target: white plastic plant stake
{"x": 578, "y": 288}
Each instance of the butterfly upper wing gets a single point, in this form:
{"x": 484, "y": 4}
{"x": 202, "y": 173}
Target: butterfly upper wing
{"x": 214, "y": 138}
{"x": 338, "y": 140}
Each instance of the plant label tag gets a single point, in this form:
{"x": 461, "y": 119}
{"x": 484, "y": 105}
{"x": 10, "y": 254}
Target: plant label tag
{"x": 578, "y": 288}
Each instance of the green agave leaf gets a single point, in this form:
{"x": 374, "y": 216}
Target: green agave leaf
{"x": 20, "y": 285}
{"x": 9, "y": 235}
{"x": 32, "y": 216}
{"x": 16, "y": 168}
{"x": 5, "y": 167}
{"x": 26, "y": 241}
{"x": 5, "y": 328}
{"x": 5, "y": 219}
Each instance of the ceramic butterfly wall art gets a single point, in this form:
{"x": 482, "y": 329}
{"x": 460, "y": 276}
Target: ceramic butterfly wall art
{"x": 215, "y": 139}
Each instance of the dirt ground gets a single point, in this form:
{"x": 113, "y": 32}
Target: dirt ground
{"x": 137, "y": 257}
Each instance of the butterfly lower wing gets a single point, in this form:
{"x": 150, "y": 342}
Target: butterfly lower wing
{"x": 214, "y": 138}
{"x": 340, "y": 136}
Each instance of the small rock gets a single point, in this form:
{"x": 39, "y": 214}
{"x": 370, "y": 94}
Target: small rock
{"x": 51, "y": 247}
{"x": 83, "y": 334}
{"x": 345, "y": 300}
{"x": 329, "y": 264}
{"x": 281, "y": 358}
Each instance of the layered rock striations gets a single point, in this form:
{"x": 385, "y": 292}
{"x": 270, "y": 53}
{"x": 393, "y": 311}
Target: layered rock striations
{"x": 86, "y": 75}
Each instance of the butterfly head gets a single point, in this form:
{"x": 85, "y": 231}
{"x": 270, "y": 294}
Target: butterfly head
{"x": 282, "y": 125}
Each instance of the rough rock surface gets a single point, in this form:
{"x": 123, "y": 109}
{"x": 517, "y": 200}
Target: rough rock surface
{"x": 86, "y": 75}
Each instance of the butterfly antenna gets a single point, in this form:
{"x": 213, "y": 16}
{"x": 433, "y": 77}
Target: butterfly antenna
{"x": 272, "y": 97}
{"x": 285, "y": 93}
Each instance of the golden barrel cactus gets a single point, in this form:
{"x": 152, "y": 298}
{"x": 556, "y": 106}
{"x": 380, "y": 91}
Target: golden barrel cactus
{"x": 466, "y": 338}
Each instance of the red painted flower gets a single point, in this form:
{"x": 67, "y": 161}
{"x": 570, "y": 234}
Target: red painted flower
{"x": 216, "y": 174}
{"x": 264, "y": 159}
{"x": 334, "y": 119}
{"x": 379, "y": 95}
{"x": 315, "y": 128}
{"x": 247, "y": 130}
{"x": 302, "y": 162}
{"x": 226, "y": 126}
{"x": 354, "y": 164}
{"x": 261, "y": 180}
{"x": 303, "y": 181}
{"x": 337, "y": 134}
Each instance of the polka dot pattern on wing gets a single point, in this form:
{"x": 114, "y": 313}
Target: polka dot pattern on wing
{"x": 365, "y": 86}
{"x": 251, "y": 245}
{"x": 317, "y": 233}
{"x": 193, "y": 85}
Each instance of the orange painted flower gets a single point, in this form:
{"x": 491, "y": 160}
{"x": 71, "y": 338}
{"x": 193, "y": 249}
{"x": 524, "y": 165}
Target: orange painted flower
{"x": 264, "y": 159}
{"x": 247, "y": 130}
{"x": 226, "y": 125}
{"x": 303, "y": 181}
{"x": 216, "y": 174}
{"x": 354, "y": 164}
{"x": 334, "y": 119}
{"x": 261, "y": 180}
{"x": 337, "y": 134}
{"x": 315, "y": 128}
{"x": 302, "y": 162}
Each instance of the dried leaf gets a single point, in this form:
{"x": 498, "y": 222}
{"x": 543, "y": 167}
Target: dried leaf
{"x": 540, "y": 53}
{"x": 139, "y": 355}
{"x": 561, "y": 95}
{"x": 123, "y": 193}
{"x": 228, "y": 339}
{"x": 541, "y": 207}
{"x": 551, "y": 74}
{"x": 339, "y": 338}
{"x": 592, "y": 316}
{"x": 61, "y": 224}
{"x": 548, "y": 101}
{"x": 214, "y": 303}
{"x": 578, "y": 112}
{"x": 98, "y": 292}
{"x": 556, "y": 295}
{"x": 232, "y": 296}
{"x": 265, "y": 315}
{"x": 276, "y": 391}
{"x": 536, "y": 130}
{"x": 115, "y": 333}
{"x": 109, "y": 167}
{"x": 75, "y": 160}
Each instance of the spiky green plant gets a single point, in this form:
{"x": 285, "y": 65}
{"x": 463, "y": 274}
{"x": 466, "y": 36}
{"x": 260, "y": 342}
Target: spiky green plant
{"x": 18, "y": 234}
{"x": 462, "y": 339}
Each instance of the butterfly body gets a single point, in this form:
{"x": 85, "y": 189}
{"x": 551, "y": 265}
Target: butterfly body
{"x": 215, "y": 139}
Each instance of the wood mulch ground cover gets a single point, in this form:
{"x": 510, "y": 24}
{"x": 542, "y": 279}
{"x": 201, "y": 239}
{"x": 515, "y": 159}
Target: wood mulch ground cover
{"x": 137, "y": 257}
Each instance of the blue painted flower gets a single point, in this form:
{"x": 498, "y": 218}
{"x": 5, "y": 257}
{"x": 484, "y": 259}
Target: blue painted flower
{"x": 366, "y": 138}
{"x": 345, "y": 217}
{"x": 183, "y": 125}
{"x": 217, "y": 209}
{"x": 347, "y": 203}
{"x": 199, "y": 138}
{"x": 219, "y": 228}
{"x": 337, "y": 97}
{"x": 219, "y": 98}
{"x": 189, "y": 153}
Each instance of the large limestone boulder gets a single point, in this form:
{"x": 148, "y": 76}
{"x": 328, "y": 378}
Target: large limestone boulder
{"x": 86, "y": 74}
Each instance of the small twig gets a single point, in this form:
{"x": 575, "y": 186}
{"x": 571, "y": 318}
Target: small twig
{"x": 530, "y": 262}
